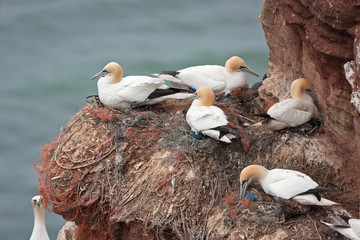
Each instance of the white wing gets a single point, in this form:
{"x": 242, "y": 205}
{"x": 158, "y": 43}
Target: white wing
{"x": 346, "y": 231}
{"x": 355, "y": 226}
{"x": 291, "y": 112}
{"x": 286, "y": 183}
{"x": 137, "y": 88}
{"x": 212, "y": 76}
{"x": 203, "y": 118}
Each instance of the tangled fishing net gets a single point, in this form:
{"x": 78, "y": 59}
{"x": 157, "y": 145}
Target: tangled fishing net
{"x": 140, "y": 174}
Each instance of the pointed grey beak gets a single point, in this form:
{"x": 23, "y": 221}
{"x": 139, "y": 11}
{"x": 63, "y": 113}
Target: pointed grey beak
{"x": 100, "y": 74}
{"x": 193, "y": 96}
{"x": 312, "y": 95}
{"x": 243, "y": 188}
{"x": 248, "y": 70}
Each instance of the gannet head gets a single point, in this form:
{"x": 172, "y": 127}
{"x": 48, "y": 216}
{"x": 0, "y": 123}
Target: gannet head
{"x": 112, "y": 70}
{"x": 249, "y": 174}
{"x": 237, "y": 64}
{"x": 206, "y": 96}
{"x": 301, "y": 86}
{"x": 36, "y": 201}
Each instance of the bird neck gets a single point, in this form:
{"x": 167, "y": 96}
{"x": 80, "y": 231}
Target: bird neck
{"x": 297, "y": 94}
{"x": 39, "y": 217}
{"x": 300, "y": 95}
{"x": 117, "y": 76}
{"x": 196, "y": 103}
{"x": 229, "y": 68}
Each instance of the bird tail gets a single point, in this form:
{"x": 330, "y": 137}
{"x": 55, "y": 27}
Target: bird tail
{"x": 327, "y": 202}
{"x": 266, "y": 117}
{"x": 167, "y": 75}
{"x": 311, "y": 199}
{"x": 328, "y": 224}
{"x": 257, "y": 125}
{"x": 345, "y": 218}
{"x": 216, "y": 134}
{"x": 179, "y": 85}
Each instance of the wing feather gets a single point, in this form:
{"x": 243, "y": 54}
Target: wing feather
{"x": 203, "y": 118}
{"x": 291, "y": 112}
{"x": 206, "y": 75}
{"x": 137, "y": 88}
{"x": 286, "y": 183}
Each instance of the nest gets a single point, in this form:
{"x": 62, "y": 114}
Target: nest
{"x": 140, "y": 174}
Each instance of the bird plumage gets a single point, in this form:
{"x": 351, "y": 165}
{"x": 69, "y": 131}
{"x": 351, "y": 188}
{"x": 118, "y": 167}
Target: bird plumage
{"x": 292, "y": 112}
{"x": 284, "y": 184}
{"x": 210, "y": 120}
{"x": 220, "y": 79}
{"x": 116, "y": 91}
{"x": 350, "y": 230}
{"x": 39, "y": 231}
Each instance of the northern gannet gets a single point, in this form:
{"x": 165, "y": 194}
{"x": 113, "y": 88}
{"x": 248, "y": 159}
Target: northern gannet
{"x": 291, "y": 112}
{"x": 284, "y": 184}
{"x": 351, "y": 231}
{"x": 218, "y": 78}
{"x": 39, "y": 231}
{"x": 118, "y": 92}
{"x": 203, "y": 117}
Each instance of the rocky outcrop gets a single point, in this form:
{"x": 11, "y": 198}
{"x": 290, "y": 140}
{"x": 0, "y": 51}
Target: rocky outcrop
{"x": 140, "y": 174}
{"x": 314, "y": 39}
{"x": 319, "y": 40}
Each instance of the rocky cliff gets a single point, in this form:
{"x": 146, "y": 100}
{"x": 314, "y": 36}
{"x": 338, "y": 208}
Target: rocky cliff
{"x": 315, "y": 39}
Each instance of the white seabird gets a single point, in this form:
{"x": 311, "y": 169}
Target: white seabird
{"x": 285, "y": 184}
{"x": 351, "y": 231}
{"x": 291, "y": 112}
{"x": 218, "y": 78}
{"x": 39, "y": 231}
{"x": 203, "y": 117}
{"x": 118, "y": 92}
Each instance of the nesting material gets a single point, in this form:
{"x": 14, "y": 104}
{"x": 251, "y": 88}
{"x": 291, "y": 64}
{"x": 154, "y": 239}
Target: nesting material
{"x": 140, "y": 174}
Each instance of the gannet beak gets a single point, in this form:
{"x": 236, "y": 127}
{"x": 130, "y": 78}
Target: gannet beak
{"x": 243, "y": 189}
{"x": 100, "y": 74}
{"x": 248, "y": 70}
{"x": 312, "y": 95}
{"x": 193, "y": 96}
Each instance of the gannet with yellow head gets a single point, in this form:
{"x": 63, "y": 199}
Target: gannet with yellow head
{"x": 39, "y": 231}
{"x": 203, "y": 117}
{"x": 284, "y": 184}
{"x": 351, "y": 230}
{"x": 116, "y": 91}
{"x": 220, "y": 79}
{"x": 291, "y": 112}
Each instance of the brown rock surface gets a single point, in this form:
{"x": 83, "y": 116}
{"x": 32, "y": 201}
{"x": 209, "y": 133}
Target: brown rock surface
{"x": 314, "y": 39}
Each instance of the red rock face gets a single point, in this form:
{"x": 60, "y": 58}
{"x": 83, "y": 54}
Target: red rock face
{"x": 314, "y": 39}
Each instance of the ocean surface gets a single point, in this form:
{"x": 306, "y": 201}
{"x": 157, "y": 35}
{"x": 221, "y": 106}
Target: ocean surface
{"x": 50, "y": 49}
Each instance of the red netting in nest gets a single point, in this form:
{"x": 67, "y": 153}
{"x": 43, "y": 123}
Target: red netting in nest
{"x": 67, "y": 170}
{"x": 140, "y": 172}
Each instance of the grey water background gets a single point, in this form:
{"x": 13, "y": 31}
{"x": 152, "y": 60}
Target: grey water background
{"x": 50, "y": 49}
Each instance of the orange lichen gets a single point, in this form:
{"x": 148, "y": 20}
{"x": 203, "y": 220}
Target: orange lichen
{"x": 269, "y": 105}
